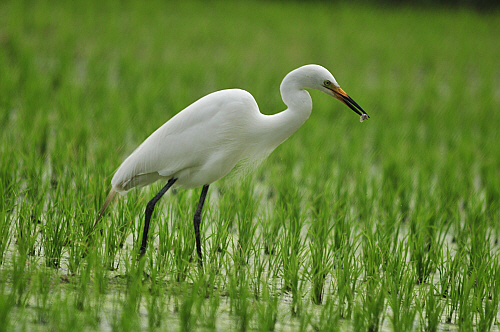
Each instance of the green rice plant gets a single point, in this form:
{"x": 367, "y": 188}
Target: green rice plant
{"x": 328, "y": 318}
{"x": 114, "y": 235}
{"x": 449, "y": 272}
{"x": 342, "y": 230}
{"x": 244, "y": 310}
{"x": 129, "y": 320}
{"x": 189, "y": 299}
{"x": 267, "y": 307}
{"x": 155, "y": 302}
{"x": 292, "y": 264}
{"x": 132, "y": 220}
{"x": 400, "y": 289}
{"x": 305, "y": 318}
{"x": 430, "y": 308}
{"x": 273, "y": 266}
{"x": 465, "y": 311}
{"x": 100, "y": 277}
{"x": 62, "y": 315}
{"x": 117, "y": 227}
{"x": 134, "y": 292}
{"x": 79, "y": 234}
{"x": 271, "y": 227}
{"x": 320, "y": 250}
{"x": 292, "y": 249}
{"x": 55, "y": 231}
{"x": 479, "y": 248}
{"x": 381, "y": 231}
{"x": 387, "y": 234}
{"x": 162, "y": 260}
{"x": 114, "y": 316}
{"x": 200, "y": 301}
{"x": 395, "y": 180}
{"x": 486, "y": 295}
{"x": 421, "y": 238}
{"x": 209, "y": 316}
{"x": 93, "y": 315}
{"x": 346, "y": 270}
{"x": 20, "y": 280}
{"x": 7, "y": 304}
{"x": 42, "y": 287}
{"x": 258, "y": 263}
{"x": 8, "y": 190}
{"x": 223, "y": 221}
{"x": 9, "y": 181}
{"x": 474, "y": 279}
{"x": 5, "y": 226}
{"x": 82, "y": 282}
{"x": 246, "y": 208}
{"x": 183, "y": 234}
{"x": 372, "y": 256}
{"x": 27, "y": 227}
{"x": 240, "y": 295}
{"x": 369, "y": 314}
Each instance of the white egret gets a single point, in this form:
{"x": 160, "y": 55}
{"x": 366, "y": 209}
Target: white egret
{"x": 203, "y": 142}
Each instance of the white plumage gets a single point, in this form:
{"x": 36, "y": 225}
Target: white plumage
{"x": 203, "y": 142}
{"x": 198, "y": 146}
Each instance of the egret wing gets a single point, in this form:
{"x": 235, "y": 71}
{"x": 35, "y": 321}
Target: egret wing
{"x": 185, "y": 143}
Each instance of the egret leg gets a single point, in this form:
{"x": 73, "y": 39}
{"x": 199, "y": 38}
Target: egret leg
{"x": 149, "y": 211}
{"x": 197, "y": 221}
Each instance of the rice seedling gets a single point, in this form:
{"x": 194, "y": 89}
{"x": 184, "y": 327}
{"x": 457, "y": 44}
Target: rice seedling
{"x": 186, "y": 314}
{"x": 221, "y": 225}
{"x": 183, "y": 234}
{"x": 328, "y": 319}
{"x": 42, "y": 289}
{"x": 347, "y": 273}
{"x": 369, "y": 314}
{"x": 486, "y": 295}
{"x": 82, "y": 283}
{"x": 430, "y": 308}
{"x": 465, "y": 311}
{"x": 5, "y": 228}
{"x": 213, "y": 304}
{"x": 449, "y": 276}
{"x": 320, "y": 251}
{"x": 240, "y": 296}
{"x": 267, "y": 307}
{"x": 7, "y": 304}
{"x": 20, "y": 280}
{"x": 155, "y": 300}
{"x": 400, "y": 288}
{"x": 246, "y": 208}
{"x": 27, "y": 228}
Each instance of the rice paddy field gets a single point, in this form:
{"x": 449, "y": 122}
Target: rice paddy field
{"x": 387, "y": 225}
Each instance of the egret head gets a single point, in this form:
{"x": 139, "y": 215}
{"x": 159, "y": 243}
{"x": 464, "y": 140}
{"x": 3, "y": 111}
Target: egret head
{"x": 319, "y": 78}
{"x": 334, "y": 90}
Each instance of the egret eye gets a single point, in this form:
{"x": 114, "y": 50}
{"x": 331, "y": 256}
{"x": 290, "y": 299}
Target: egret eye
{"x": 327, "y": 83}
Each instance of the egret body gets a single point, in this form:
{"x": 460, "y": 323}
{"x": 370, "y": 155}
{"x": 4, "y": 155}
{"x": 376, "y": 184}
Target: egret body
{"x": 203, "y": 142}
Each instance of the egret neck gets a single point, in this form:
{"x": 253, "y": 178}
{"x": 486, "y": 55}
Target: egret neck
{"x": 276, "y": 128}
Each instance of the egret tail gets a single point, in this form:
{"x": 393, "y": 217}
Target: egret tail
{"x": 108, "y": 200}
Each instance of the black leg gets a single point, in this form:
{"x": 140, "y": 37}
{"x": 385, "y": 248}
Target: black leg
{"x": 149, "y": 211}
{"x": 197, "y": 221}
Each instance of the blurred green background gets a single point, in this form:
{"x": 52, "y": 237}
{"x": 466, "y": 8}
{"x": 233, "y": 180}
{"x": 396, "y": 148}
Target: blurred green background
{"x": 105, "y": 70}
{"x": 88, "y": 81}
